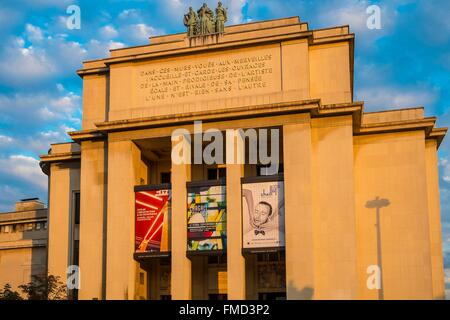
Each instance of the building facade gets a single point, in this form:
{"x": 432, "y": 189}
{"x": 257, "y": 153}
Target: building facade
{"x": 23, "y": 243}
{"x": 351, "y": 210}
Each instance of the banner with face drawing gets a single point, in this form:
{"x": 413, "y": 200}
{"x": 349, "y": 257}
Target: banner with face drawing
{"x": 263, "y": 214}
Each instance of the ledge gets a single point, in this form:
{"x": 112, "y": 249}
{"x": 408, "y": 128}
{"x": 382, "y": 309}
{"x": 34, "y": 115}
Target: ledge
{"x": 438, "y": 134}
{"x": 312, "y": 106}
{"x": 395, "y": 126}
{"x": 67, "y": 156}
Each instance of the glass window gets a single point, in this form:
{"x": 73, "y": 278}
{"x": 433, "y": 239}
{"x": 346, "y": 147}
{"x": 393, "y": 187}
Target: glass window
{"x": 77, "y": 208}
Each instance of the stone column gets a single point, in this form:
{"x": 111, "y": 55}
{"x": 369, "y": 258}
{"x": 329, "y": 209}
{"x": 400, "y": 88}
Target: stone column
{"x": 434, "y": 217}
{"x": 235, "y": 260}
{"x": 64, "y": 180}
{"x": 125, "y": 170}
{"x": 92, "y": 220}
{"x": 298, "y": 211}
{"x": 334, "y": 232}
{"x": 181, "y": 265}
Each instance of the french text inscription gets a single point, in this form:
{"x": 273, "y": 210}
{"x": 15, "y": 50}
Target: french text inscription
{"x": 221, "y": 76}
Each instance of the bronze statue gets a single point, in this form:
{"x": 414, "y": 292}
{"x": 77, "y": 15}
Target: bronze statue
{"x": 206, "y": 17}
{"x": 203, "y": 22}
{"x": 221, "y": 18}
{"x": 190, "y": 21}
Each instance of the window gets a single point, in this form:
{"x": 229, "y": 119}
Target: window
{"x": 76, "y": 252}
{"x": 165, "y": 177}
{"x": 4, "y": 229}
{"x": 77, "y": 208}
{"x": 38, "y": 226}
{"x": 28, "y": 226}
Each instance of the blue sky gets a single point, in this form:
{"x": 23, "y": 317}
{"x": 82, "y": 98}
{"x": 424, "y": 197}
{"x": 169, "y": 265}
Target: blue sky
{"x": 405, "y": 63}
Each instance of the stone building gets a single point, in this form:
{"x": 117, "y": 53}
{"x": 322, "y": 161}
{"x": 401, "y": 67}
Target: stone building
{"x": 352, "y": 211}
{"x": 23, "y": 243}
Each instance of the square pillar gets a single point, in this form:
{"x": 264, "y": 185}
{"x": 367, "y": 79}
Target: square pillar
{"x": 64, "y": 180}
{"x": 181, "y": 281}
{"x": 92, "y": 220}
{"x": 434, "y": 220}
{"x": 298, "y": 211}
{"x": 235, "y": 260}
{"x": 125, "y": 170}
{"x": 334, "y": 219}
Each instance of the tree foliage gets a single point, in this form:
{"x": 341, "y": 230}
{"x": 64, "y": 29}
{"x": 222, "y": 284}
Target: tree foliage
{"x": 8, "y": 294}
{"x": 42, "y": 287}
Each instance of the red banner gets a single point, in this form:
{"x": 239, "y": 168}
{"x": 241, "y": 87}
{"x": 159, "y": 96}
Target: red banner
{"x": 152, "y": 221}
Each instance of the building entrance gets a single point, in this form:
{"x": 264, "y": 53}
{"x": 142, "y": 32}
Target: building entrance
{"x": 266, "y": 276}
{"x": 155, "y": 282}
{"x": 209, "y": 277}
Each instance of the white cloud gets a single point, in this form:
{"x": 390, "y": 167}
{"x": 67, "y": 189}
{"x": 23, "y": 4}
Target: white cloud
{"x": 40, "y": 143}
{"x": 37, "y": 63}
{"x": 115, "y": 45}
{"x": 34, "y": 33}
{"x": 129, "y": 14}
{"x": 445, "y": 171}
{"x": 19, "y": 64}
{"x": 24, "y": 168}
{"x": 62, "y": 4}
{"x": 388, "y": 97}
{"x": 9, "y": 196}
{"x": 97, "y": 49}
{"x": 235, "y": 11}
{"x": 5, "y": 140}
{"x": 108, "y": 32}
{"x": 138, "y": 33}
{"x": 28, "y": 112}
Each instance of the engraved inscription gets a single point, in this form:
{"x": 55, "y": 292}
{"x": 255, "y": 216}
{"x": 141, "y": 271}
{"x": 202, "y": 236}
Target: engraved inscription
{"x": 214, "y": 77}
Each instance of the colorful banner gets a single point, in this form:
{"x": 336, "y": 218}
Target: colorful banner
{"x": 207, "y": 218}
{"x": 263, "y": 214}
{"x": 152, "y": 221}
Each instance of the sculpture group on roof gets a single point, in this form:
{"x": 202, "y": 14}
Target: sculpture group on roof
{"x": 204, "y": 22}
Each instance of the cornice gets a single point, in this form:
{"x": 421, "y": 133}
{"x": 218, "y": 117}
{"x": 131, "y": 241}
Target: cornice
{"x": 61, "y": 157}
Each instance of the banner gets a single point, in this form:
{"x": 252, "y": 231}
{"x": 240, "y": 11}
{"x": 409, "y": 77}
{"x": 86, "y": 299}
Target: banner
{"x": 152, "y": 220}
{"x": 263, "y": 214}
{"x": 206, "y": 218}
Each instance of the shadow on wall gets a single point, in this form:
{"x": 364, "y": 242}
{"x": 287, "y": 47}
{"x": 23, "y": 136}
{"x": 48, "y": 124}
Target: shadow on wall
{"x": 377, "y": 204}
{"x": 306, "y": 293}
{"x": 38, "y": 261}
